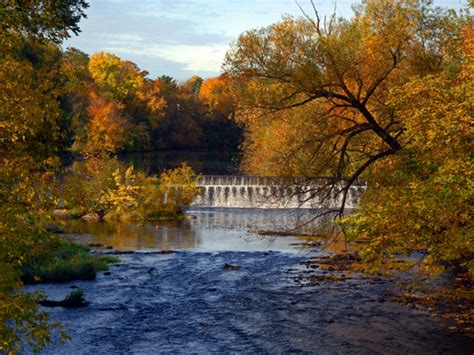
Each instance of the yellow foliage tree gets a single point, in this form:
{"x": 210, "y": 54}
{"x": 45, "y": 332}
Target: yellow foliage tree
{"x": 118, "y": 78}
{"x": 30, "y": 136}
{"x": 345, "y": 99}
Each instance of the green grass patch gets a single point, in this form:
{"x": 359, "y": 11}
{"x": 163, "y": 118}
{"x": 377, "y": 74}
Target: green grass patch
{"x": 63, "y": 261}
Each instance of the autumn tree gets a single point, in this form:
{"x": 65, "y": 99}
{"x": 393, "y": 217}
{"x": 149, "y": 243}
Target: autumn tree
{"x": 118, "y": 78}
{"x": 193, "y": 84}
{"x": 218, "y": 99}
{"x": 216, "y": 94}
{"x": 180, "y": 125}
{"x": 317, "y": 96}
{"x": 30, "y": 137}
{"x": 429, "y": 184}
{"x": 137, "y": 97}
{"x": 77, "y": 85}
{"x": 107, "y": 130}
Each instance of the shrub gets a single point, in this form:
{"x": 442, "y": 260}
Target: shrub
{"x": 138, "y": 197}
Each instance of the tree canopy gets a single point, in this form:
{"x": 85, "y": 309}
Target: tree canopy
{"x": 52, "y": 20}
{"x": 343, "y": 99}
{"x": 30, "y": 138}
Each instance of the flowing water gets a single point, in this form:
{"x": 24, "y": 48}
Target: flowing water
{"x": 189, "y": 302}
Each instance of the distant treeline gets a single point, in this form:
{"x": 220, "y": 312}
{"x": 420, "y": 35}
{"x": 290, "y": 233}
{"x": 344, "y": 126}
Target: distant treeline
{"x": 111, "y": 106}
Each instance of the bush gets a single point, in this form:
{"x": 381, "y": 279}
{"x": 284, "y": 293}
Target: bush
{"x": 137, "y": 197}
{"x": 75, "y": 299}
{"x": 116, "y": 192}
{"x": 86, "y": 183}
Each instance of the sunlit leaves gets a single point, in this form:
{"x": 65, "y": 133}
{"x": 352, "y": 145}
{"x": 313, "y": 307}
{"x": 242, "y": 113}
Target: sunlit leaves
{"x": 30, "y": 136}
{"x": 429, "y": 184}
{"x": 120, "y": 79}
{"x": 385, "y": 96}
{"x": 107, "y": 128}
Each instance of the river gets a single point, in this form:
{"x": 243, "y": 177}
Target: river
{"x": 189, "y": 302}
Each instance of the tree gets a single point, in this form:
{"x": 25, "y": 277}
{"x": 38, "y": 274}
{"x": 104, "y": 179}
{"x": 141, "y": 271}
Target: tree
{"x": 429, "y": 184}
{"x": 216, "y": 94}
{"x": 322, "y": 92}
{"x": 180, "y": 125}
{"x": 107, "y": 129}
{"x": 115, "y": 77}
{"x": 30, "y": 137}
{"x": 74, "y": 100}
{"x": 219, "y": 104}
{"x": 339, "y": 73}
{"x": 193, "y": 84}
{"x": 43, "y": 19}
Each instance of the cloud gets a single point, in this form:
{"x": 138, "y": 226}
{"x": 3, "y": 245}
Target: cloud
{"x": 174, "y": 37}
{"x": 152, "y": 32}
{"x": 191, "y": 58}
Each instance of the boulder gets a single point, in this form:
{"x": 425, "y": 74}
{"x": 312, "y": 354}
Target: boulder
{"x": 62, "y": 214}
{"x": 53, "y": 228}
{"x": 230, "y": 267}
{"x": 91, "y": 217}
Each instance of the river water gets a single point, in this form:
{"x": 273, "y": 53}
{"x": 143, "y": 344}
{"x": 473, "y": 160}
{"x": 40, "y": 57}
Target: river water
{"x": 188, "y": 302}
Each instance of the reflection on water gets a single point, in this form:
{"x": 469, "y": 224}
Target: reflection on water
{"x": 209, "y": 230}
{"x": 123, "y": 236}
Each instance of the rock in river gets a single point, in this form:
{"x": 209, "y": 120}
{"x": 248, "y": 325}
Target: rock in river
{"x": 91, "y": 217}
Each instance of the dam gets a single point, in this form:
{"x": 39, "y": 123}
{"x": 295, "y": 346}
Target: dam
{"x": 234, "y": 191}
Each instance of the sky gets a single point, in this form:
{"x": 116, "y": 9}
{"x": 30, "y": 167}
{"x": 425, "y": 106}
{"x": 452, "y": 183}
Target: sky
{"x": 181, "y": 38}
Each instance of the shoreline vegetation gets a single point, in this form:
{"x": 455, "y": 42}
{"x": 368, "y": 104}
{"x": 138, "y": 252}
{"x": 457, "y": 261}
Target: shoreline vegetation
{"x": 105, "y": 189}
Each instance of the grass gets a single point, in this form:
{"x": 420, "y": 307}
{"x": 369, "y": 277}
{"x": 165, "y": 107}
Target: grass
{"x": 63, "y": 261}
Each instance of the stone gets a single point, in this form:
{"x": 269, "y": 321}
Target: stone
{"x": 91, "y": 217}
{"x": 230, "y": 267}
{"x": 53, "y": 228}
{"x": 62, "y": 214}
{"x": 123, "y": 252}
{"x": 95, "y": 245}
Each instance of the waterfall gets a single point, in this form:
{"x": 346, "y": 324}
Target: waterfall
{"x": 271, "y": 192}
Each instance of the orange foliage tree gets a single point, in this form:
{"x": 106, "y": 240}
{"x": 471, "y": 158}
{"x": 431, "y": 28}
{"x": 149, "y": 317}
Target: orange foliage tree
{"x": 107, "y": 131}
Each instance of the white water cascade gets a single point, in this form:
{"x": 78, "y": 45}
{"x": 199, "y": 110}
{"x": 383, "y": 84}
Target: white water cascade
{"x": 269, "y": 192}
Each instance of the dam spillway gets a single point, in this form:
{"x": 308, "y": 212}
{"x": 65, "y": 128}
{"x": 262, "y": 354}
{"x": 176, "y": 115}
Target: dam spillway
{"x": 230, "y": 191}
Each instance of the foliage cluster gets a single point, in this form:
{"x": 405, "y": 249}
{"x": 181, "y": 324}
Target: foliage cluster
{"x": 429, "y": 184}
{"x": 138, "y": 197}
{"x": 114, "y": 107}
{"x": 33, "y": 129}
{"x": 117, "y": 192}
{"x": 385, "y": 97}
